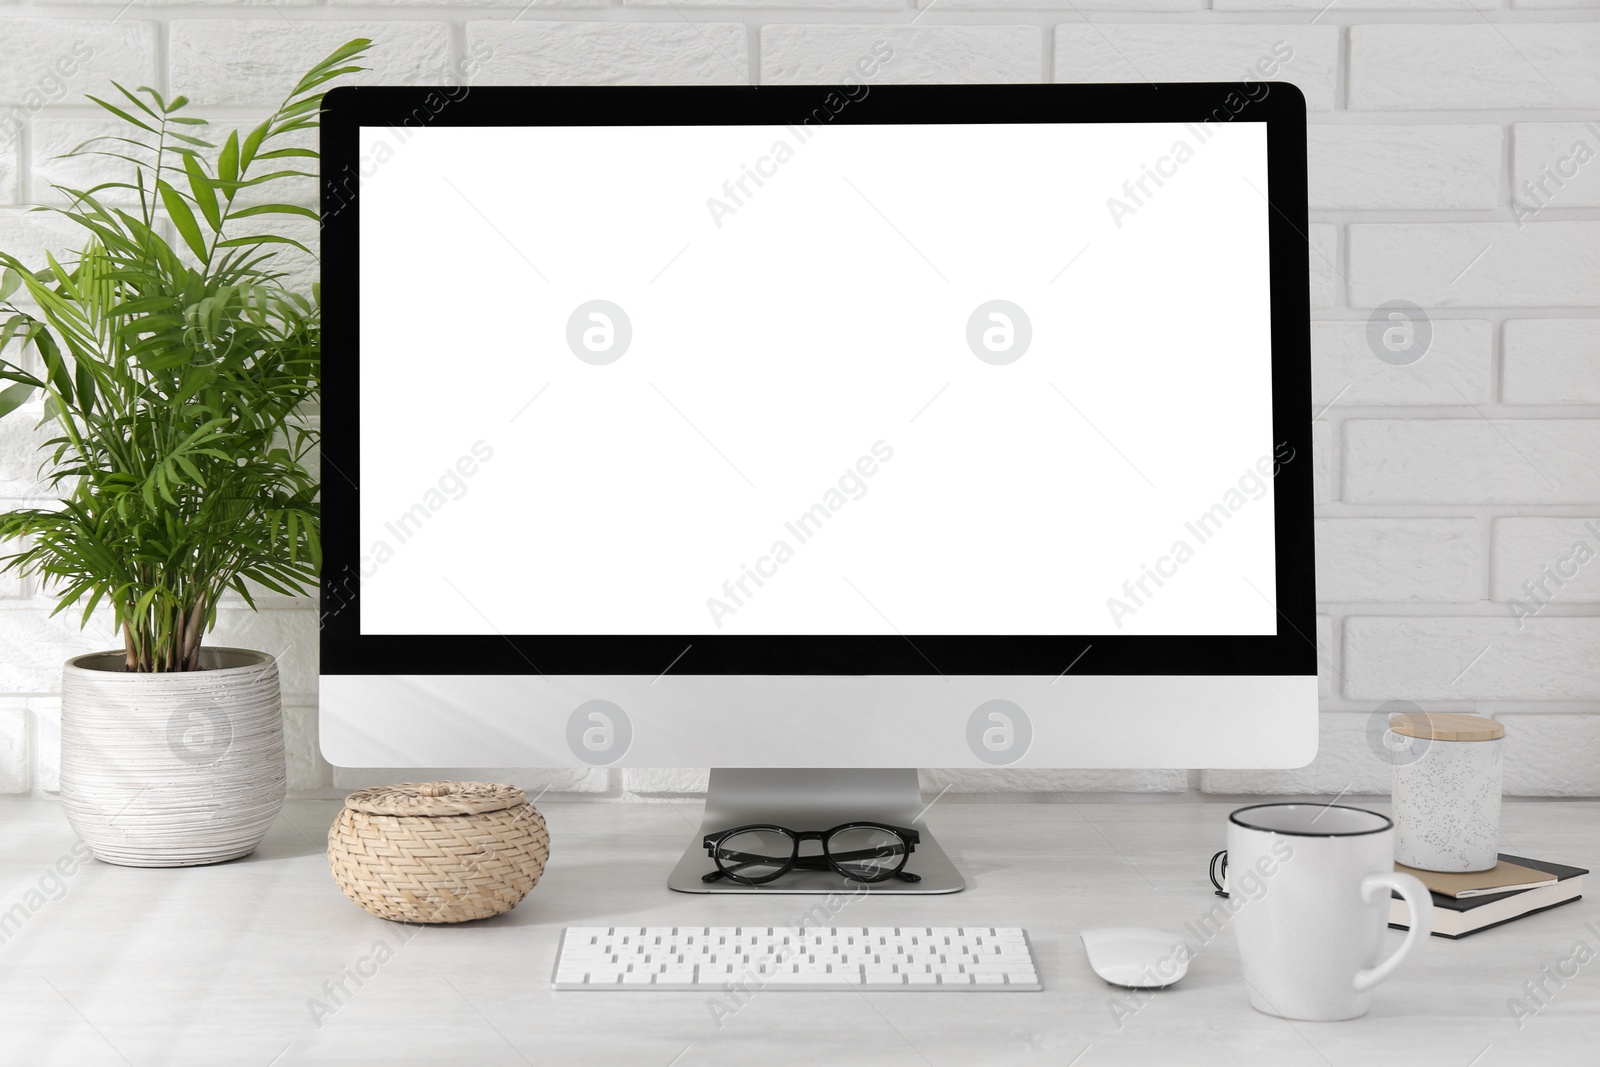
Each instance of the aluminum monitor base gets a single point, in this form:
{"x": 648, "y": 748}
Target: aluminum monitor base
{"x": 816, "y": 800}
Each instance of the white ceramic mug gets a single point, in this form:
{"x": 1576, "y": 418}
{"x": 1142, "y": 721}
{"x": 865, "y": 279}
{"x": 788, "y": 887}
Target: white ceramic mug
{"x": 1316, "y": 881}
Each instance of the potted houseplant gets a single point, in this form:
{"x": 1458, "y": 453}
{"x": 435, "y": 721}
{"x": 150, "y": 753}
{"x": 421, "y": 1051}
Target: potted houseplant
{"x": 175, "y": 376}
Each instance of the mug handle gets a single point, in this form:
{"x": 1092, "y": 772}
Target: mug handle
{"x": 1418, "y": 899}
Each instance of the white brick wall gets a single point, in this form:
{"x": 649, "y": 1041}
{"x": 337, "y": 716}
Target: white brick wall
{"x": 1556, "y": 159}
{"x": 1552, "y": 361}
{"x": 58, "y": 60}
{"x": 1232, "y": 52}
{"x": 611, "y": 53}
{"x": 1323, "y": 240}
{"x": 1444, "y": 170}
{"x": 1399, "y": 560}
{"x": 1496, "y": 657}
{"x": 1475, "y": 64}
{"x": 1476, "y": 264}
{"x": 254, "y": 61}
{"x": 1558, "y": 558}
{"x": 1475, "y": 460}
{"x": 14, "y": 777}
{"x": 1394, "y": 166}
{"x": 1458, "y": 368}
{"x": 827, "y": 54}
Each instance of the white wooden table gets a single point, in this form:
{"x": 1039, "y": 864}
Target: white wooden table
{"x": 242, "y": 963}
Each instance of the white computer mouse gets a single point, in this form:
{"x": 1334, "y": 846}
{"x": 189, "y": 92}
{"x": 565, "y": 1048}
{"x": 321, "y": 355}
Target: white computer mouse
{"x": 1137, "y": 957}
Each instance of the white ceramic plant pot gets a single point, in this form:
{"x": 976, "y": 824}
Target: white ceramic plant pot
{"x": 172, "y": 770}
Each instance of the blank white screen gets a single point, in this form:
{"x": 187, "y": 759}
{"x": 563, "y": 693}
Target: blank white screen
{"x": 783, "y": 331}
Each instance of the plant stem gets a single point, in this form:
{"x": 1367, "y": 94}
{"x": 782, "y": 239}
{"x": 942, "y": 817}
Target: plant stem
{"x": 191, "y": 643}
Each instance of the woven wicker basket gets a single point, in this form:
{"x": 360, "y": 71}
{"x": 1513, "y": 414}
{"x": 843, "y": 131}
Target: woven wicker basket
{"x": 440, "y": 852}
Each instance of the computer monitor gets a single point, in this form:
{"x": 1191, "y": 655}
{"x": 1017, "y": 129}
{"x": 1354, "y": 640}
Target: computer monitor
{"x": 817, "y": 434}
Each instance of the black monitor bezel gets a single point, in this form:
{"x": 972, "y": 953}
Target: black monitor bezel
{"x": 1291, "y": 651}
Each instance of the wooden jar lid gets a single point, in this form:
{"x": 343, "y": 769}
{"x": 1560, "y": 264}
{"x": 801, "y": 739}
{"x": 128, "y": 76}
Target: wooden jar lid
{"x": 436, "y": 798}
{"x": 1435, "y": 726}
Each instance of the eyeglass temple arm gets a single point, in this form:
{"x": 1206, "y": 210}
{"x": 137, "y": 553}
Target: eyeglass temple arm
{"x": 741, "y": 860}
{"x": 904, "y": 876}
{"x": 911, "y": 837}
{"x": 747, "y": 859}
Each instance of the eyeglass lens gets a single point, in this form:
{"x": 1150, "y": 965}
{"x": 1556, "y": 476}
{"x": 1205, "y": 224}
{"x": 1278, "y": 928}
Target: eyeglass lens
{"x": 755, "y": 855}
{"x": 866, "y": 853}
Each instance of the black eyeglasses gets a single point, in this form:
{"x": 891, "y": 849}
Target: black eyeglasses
{"x": 861, "y": 851}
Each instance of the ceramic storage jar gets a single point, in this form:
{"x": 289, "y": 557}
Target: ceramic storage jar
{"x": 1447, "y": 791}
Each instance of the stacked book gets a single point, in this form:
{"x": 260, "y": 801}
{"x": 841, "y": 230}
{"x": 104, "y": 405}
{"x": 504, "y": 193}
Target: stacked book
{"x": 1466, "y": 903}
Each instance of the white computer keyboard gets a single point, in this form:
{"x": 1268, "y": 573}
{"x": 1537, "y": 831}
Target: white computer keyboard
{"x": 935, "y": 959}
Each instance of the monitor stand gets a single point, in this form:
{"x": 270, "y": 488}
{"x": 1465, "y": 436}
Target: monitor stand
{"x": 816, "y": 800}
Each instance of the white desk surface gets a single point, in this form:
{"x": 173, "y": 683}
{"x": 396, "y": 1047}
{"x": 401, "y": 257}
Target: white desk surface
{"x": 215, "y": 966}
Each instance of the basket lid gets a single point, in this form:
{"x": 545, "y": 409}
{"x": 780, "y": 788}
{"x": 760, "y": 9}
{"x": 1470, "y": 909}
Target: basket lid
{"x": 1437, "y": 726}
{"x": 436, "y": 798}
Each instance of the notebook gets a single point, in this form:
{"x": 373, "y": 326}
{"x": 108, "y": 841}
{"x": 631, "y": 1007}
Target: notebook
{"x": 1503, "y": 877}
{"x": 1456, "y": 917}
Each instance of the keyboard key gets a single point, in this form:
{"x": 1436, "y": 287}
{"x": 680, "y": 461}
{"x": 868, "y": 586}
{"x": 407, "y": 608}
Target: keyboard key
{"x": 676, "y": 978}
{"x": 790, "y": 978}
